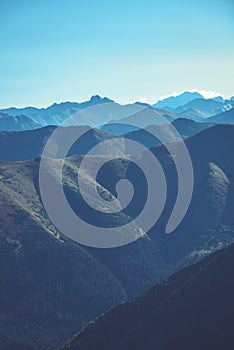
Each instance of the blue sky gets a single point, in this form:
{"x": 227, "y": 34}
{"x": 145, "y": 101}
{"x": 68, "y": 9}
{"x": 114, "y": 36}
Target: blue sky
{"x": 54, "y": 51}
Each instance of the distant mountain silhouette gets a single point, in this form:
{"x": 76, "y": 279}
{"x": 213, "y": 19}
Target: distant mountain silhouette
{"x": 17, "y": 123}
{"x": 218, "y": 98}
{"x": 196, "y": 107}
{"x": 192, "y": 309}
{"x": 203, "y": 108}
{"x": 144, "y": 104}
{"x": 204, "y": 104}
{"x": 95, "y": 113}
{"x": 56, "y": 113}
{"x": 141, "y": 118}
{"x": 133, "y": 116}
{"x": 176, "y": 101}
{"x": 226, "y": 117}
{"x": 118, "y": 128}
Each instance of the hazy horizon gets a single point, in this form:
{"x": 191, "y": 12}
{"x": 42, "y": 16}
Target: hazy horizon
{"x": 206, "y": 94}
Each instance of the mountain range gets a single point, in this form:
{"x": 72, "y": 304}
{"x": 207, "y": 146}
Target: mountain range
{"x": 52, "y": 288}
{"x": 97, "y": 112}
{"x": 56, "y": 113}
{"x": 177, "y": 101}
{"x": 195, "y": 106}
{"x": 59, "y": 286}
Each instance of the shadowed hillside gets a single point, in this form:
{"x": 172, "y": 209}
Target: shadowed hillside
{"x": 192, "y": 309}
{"x": 29, "y": 144}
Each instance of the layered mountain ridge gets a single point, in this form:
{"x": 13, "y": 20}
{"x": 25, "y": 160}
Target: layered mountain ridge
{"x": 54, "y": 293}
{"x": 95, "y": 114}
{"x": 60, "y": 285}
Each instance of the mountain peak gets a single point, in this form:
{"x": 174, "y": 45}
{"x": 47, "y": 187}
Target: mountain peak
{"x": 95, "y": 99}
{"x": 179, "y": 100}
{"x": 218, "y": 99}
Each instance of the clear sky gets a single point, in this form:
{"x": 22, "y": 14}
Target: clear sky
{"x": 54, "y": 51}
